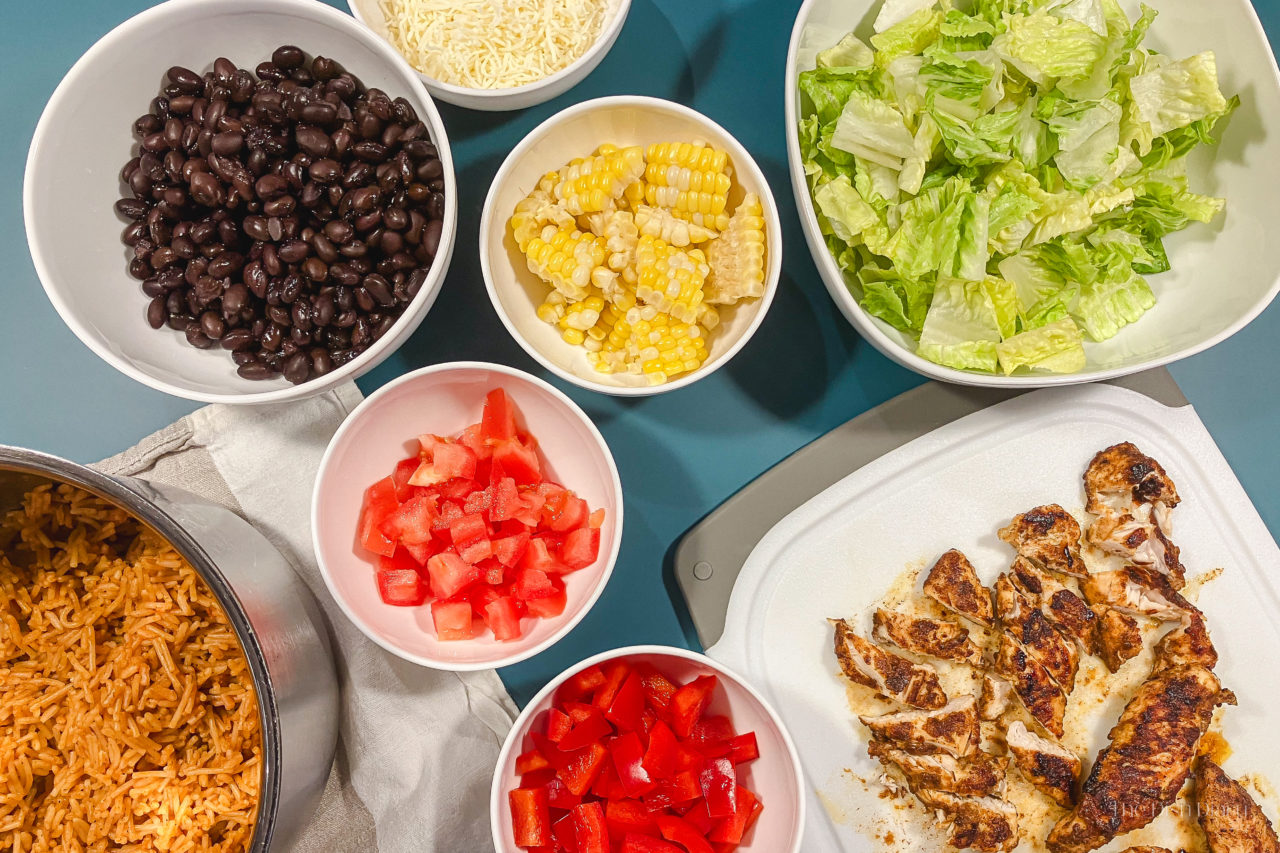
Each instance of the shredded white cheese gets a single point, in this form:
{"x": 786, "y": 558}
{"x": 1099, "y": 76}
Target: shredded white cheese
{"x": 492, "y": 44}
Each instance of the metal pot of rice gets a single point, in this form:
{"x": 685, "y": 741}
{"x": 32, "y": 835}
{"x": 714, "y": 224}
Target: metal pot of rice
{"x": 166, "y": 682}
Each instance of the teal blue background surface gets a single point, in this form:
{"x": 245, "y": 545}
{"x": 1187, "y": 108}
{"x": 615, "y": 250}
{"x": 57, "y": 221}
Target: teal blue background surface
{"x": 680, "y": 454}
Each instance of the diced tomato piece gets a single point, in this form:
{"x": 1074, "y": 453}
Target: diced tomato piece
{"x": 411, "y": 522}
{"x": 680, "y": 831}
{"x": 478, "y": 501}
{"x": 518, "y": 461}
{"x": 503, "y": 619}
{"x": 680, "y": 788}
{"x": 719, "y": 787}
{"x": 660, "y": 757}
{"x": 401, "y": 559}
{"x": 552, "y": 604}
{"x": 591, "y": 728}
{"x": 452, "y": 620}
{"x": 425, "y": 475}
{"x": 477, "y": 551}
{"x": 628, "y": 817}
{"x": 468, "y": 528}
{"x": 457, "y": 489}
{"x": 400, "y": 477}
{"x": 563, "y": 832}
{"x": 450, "y": 574}
{"x": 452, "y": 461}
{"x": 530, "y": 817}
{"x": 658, "y": 689}
{"x": 427, "y": 444}
{"x": 731, "y": 829}
{"x": 450, "y": 511}
{"x": 744, "y": 748}
{"x": 628, "y": 760}
{"x": 607, "y": 785}
{"x": 491, "y": 571}
{"x": 509, "y": 549}
{"x": 627, "y": 705}
{"x": 531, "y": 583}
{"x": 589, "y": 828}
{"x": 558, "y": 725}
{"x": 580, "y": 548}
{"x": 689, "y": 703}
{"x": 596, "y": 521}
{"x": 582, "y": 767}
{"x": 530, "y": 761}
{"x": 420, "y": 552}
{"x": 506, "y": 500}
{"x": 401, "y": 587}
{"x": 538, "y": 556}
{"x": 565, "y": 512}
{"x": 580, "y": 685}
{"x": 644, "y": 844}
{"x": 615, "y": 674}
{"x": 498, "y": 421}
{"x": 472, "y": 439}
{"x": 710, "y": 730}
{"x": 559, "y": 796}
{"x": 379, "y": 502}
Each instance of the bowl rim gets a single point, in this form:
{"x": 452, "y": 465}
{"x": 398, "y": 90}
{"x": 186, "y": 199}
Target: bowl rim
{"x": 599, "y": 47}
{"x": 381, "y": 349}
{"x": 868, "y": 327}
{"x": 743, "y": 161}
{"x": 361, "y": 411}
{"x": 515, "y": 737}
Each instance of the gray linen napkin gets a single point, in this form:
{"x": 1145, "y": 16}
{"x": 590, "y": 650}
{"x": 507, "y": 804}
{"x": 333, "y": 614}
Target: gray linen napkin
{"x": 417, "y": 747}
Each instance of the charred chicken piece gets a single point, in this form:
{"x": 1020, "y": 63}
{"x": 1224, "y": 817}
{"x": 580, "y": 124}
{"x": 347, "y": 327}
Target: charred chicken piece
{"x": 1141, "y": 539}
{"x": 1121, "y": 476}
{"x": 1136, "y": 592}
{"x": 1035, "y": 687}
{"x": 952, "y": 730}
{"x": 891, "y": 676}
{"x": 1149, "y": 758}
{"x": 1049, "y": 537}
{"x": 976, "y": 776}
{"x": 1051, "y": 768}
{"x": 953, "y": 583}
{"x": 931, "y": 637}
{"x": 996, "y": 693}
{"x": 1188, "y": 643}
{"x": 1067, "y": 611}
{"x": 1021, "y": 618}
{"x": 1119, "y": 637}
{"x": 1148, "y": 850}
{"x": 988, "y": 824}
{"x": 1231, "y": 820}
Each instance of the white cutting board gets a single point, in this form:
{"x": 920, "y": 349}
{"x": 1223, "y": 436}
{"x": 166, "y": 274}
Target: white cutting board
{"x": 839, "y": 553}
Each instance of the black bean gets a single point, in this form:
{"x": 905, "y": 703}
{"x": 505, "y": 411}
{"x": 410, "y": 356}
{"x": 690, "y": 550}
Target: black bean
{"x": 297, "y": 368}
{"x": 369, "y": 151}
{"x": 314, "y": 141}
{"x": 184, "y": 78}
{"x": 178, "y": 322}
{"x": 271, "y": 186}
{"x": 132, "y": 208}
{"x": 288, "y": 57}
{"x": 431, "y": 236}
{"x": 156, "y": 312}
{"x": 212, "y": 325}
{"x": 255, "y": 370}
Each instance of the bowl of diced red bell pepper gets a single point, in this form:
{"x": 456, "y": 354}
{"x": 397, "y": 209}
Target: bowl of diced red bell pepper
{"x": 467, "y": 516}
{"x": 647, "y": 749}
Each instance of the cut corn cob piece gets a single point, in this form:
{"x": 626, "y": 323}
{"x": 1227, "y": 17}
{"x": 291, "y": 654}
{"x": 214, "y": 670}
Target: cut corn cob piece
{"x": 670, "y": 279}
{"x": 662, "y": 223}
{"x": 736, "y": 257}
{"x": 596, "y": 183}
{"x": 538, "y": 210}
{"x": 690, "y": 180}
{"x": 569, "y": 260}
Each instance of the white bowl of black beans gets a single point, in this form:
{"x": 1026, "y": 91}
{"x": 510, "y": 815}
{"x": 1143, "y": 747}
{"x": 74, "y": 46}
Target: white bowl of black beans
{"x": 241, "y": 201}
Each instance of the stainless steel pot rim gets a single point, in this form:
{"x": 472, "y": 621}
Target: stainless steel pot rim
{"x": 56, "y": 468}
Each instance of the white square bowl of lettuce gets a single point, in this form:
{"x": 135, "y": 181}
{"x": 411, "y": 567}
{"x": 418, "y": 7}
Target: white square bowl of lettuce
{"x": 1037, "y": 192}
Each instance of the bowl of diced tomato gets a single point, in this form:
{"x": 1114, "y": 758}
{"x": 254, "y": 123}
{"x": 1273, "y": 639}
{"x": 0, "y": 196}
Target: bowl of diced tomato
{"x": 467, "y": 516}
{"x": 647, "y": 749}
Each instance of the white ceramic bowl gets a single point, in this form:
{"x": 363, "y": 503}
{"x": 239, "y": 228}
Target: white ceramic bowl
{"x": 85, "y": 136}
{"x": 1224, "y": 274}
{"x": 775, "y": 776}
{"x": 444, "y": 399}
{"x": 370, "y": 13}
{"x": 624, "y": 120}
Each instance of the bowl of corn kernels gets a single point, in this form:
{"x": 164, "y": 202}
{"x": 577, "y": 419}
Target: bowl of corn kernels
{"x": 631, "y": 245}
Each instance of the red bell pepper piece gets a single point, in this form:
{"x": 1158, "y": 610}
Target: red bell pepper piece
{"x": 689, "y": 703}
{"x": 558, "y": 796}
{"x": 538, "y": 778}
{"x": 589, "y": 828}
{"x": 680, "y": 831}
{"x": 744, "y": 748}
{"x": 658, "y": 689}
{"x": 628, "y": 756}
{"x": 614, "y": 676}
{"x": 711, "y": 730}
{"x": 628, "y": 817}
{"x": 646, "y": 844}
{"x": 558, "y": 725}
{"x": 699, "y": 818}
{"x": 731, "y": 829}
{"x": 562, "y": 830}
{"x": 660, "y": 757}
{"x": 591, "y": 728}
{"x": 607, "y": 785}
{"x": 582, "y": 767}
{"x": 530, "y": 817}
{"x": 719, "y": 787}
{"x": 680, "y": 788}
{"x": 627, "y": 705}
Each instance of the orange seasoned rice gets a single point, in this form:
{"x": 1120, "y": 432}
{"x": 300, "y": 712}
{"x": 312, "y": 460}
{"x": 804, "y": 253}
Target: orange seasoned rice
{"x": 128, "y": 719}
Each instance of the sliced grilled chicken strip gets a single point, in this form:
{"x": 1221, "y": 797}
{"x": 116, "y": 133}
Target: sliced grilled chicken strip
{"x": 976, "y": 776}
{"x": 1188, "y": 643}
{"x": 1231, "y": 820}
{"x": 937, "y": 638}
{"x": 1037, "y": 690}
{"x": 1062, "y": 606}
{"x": 1140, "y": 539}
{"x": 988, "y": 824}
{"x": 1049, "y": 537}
{"x": 953, "y": 583}
{"x": 1149, "y": 758}
{"x": 891, "y": 676}
{"x": 1148, "y": 850}
{"x": 1121, "y": 476}
{"x": 996, "y": 694}
{"x": 952, "y": 730}
{"x": 1020, "y": 617}
{"x": 1051, "y": 768}
{"x": 1119, "y": 637}
{"x": 1128, "y": 591}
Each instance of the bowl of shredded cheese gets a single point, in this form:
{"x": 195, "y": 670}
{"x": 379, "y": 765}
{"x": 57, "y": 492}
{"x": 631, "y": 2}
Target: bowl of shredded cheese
{"x": 497, "y": 54}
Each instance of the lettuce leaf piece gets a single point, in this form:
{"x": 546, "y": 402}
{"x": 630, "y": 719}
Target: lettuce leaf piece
{"x": 1177, "y": 143}
{"x": 942, "y": 230}
{"x": 962, "y": 86}
{"x": 873, "y": 130}
{"x": 849, "y": 52}
{"x": 1057, "y": 347}
{"x": 900, "y": 302}
{"x": 960, "y": 32}
{"x": 1088, "y": 135}
{"x": 1177, "y": 93}
{"x": 1104, "y": 307}
{"x": 1043, "y": 46}
{"x": 961, "y": 329}
{"x": 846, "y": 212}
{"x": 909, "y": 36}
{"x": 893, "y": 12}
{"x": 984, "y": 141}
{"x": 1004, "y": 298}
{"x": 911, "y": 178}
{"x": 828, "y": 89}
